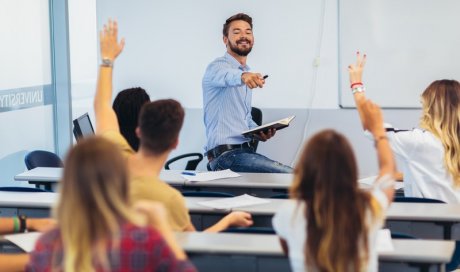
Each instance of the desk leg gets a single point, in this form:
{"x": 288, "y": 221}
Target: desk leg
{"x": 447, "y": 229}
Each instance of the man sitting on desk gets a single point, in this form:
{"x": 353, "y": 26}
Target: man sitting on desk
{"x": 158, "y": 130}
{"x": 227, "y": 105}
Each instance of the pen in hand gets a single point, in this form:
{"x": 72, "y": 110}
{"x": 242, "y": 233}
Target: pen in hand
{"x": 265, "y": 77}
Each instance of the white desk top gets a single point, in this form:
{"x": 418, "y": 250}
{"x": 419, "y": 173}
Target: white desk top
{"x": 173, "y": 177}
{"x": 48, "y": 174}
{"x": 27, "y": 199}
{"x": 423, "y": 251}
{"x": 397, "y": 211}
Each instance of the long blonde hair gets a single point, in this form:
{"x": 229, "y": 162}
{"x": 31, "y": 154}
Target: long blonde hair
{"x": 93, "y": 203}
{"x": 441, "y": 116}
{"x": 326, "y": 181}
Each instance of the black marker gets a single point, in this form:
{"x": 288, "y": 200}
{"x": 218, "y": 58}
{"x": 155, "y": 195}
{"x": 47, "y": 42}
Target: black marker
{"x": 265, "y": 77}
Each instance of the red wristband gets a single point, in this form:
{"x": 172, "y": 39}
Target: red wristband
{"x": 356, "y": 83}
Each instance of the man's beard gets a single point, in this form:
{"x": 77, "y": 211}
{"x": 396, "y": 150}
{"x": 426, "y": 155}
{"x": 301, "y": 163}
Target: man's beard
{"x": 240, "y": 52}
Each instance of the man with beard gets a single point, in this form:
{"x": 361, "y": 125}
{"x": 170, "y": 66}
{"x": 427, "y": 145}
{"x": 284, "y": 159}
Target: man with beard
{"x": 227, "y": 96}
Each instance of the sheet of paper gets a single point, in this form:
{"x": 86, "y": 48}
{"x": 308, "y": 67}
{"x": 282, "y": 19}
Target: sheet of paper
{"x": 233, "y": 202}
{"x": 384, "y": 243}
{"x": 25, "y": 241}
{"x": 370, "y": 181}
{"x": 212, "y": 175}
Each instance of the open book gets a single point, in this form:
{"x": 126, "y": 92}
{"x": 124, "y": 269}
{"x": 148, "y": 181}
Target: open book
{"x": 280, "y": 124}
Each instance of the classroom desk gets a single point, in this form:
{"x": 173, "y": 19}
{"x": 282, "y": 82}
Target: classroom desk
{"x": 38, "y": 205}
{"x": 252, "y": 252}
{"x": 257, "y": 184}
{"x": 445, "y": 215}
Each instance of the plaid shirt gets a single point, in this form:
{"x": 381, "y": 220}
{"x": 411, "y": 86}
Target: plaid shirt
{"x": 140, "y": 249}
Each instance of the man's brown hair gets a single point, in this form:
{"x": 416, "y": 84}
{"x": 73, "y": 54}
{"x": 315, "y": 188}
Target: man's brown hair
{"x": 160, "y": 123}
{"x": 236, "y": 17}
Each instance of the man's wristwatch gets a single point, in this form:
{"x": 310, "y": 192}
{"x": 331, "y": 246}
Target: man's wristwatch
{"x": 107, "y": 63}
{"x": 22, "y": 223}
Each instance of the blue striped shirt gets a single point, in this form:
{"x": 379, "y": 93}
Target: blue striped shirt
{"x": 227, "y": 102}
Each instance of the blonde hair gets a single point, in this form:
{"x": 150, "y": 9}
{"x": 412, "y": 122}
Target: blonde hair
{"x": 441, "y": 116}
{"x": 326, "y": 181}
{"x": 93, "y": 203}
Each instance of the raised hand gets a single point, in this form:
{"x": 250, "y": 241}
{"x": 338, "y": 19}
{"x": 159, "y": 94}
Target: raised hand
{"x": 110, "y": 47}
{"x": 253, "y": 80}
{"x": 355, "y": 71}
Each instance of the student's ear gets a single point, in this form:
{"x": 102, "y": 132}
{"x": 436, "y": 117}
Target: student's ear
{"x": 138, "y": 132}
{"x": 225, "y": 39}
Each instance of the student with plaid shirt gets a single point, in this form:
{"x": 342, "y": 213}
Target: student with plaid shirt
{"x": 97, "y": 229}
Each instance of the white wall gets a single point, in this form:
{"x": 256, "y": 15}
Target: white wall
{"x": 313, "y": 97}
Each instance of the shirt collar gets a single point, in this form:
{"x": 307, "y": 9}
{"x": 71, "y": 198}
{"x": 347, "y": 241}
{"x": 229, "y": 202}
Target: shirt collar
{"x": 236, "y": 63}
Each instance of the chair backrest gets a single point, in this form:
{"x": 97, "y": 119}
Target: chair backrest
{"x": 206, "y": 194}
{"x": 256, "y": 114}
{"x": 252, "y": 230}
{"x": 280, "y": 196}
{"x": 191, "y": 164}
{"x": 21, "y": 189}
{"x": 417, "y": 200}
{"x": 41, "y": 158}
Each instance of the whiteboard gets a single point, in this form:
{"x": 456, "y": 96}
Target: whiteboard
{"x": 409, "y": 44}
{"x": 170, "y": 43}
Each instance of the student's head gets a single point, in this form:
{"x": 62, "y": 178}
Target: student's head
{"x": 326, "y": 181}
{"x": 441, "y": 116}
{"x": 160, "y": 122}
{"x": 237, "y": 34}
{"x": 127, "y": 105}
{"x": 93, "y": 200}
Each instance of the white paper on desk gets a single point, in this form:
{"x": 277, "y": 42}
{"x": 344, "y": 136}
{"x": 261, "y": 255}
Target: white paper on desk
{"x": 384, "y": 242}
{"x": 370, "y": 181}
{"x": 233, "y": 202}
{"x": 212, "y": 175}
{"x": 25, "y": 241}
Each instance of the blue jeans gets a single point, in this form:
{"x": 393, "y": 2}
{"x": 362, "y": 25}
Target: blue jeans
{"x": 246, "y": 160}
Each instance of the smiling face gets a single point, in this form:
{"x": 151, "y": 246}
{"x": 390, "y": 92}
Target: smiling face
{"x": 240, "y": 38}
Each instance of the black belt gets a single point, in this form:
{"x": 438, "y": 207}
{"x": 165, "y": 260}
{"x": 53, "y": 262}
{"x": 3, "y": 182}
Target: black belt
{"x": 218, "y": 150}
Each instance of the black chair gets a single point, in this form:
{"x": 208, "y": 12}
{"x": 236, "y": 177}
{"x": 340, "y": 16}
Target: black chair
{"x": 256, "y": 114}
{"x": 21, "y": 189}
{"x": 416, "y": 200}
{"x": 400, "y": 235}
{"x": 191, "y": 164}
{"x": 41, "y": 158}
{"x": 280, "y": 196}
{"x": 250, "y": 230}
{"x": 206, "y": 194}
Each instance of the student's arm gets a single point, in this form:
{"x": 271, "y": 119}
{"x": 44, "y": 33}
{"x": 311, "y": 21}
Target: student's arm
{"x": 35, "y": 224}
{"x": 238, "y": 219}
{"x": 13, "y": 262}
{"x": 372, "y": 120}
{"x": 106, "y": 118}
{"x": 387, "y": 167}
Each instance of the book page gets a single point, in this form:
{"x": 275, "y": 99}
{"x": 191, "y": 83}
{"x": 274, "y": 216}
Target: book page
{"x": 233, "y": 202}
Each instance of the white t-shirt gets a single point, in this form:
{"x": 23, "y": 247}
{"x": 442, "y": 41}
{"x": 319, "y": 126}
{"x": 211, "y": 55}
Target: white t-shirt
{"x": 289, "y": 223}
{"x": 420, "y": 156}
